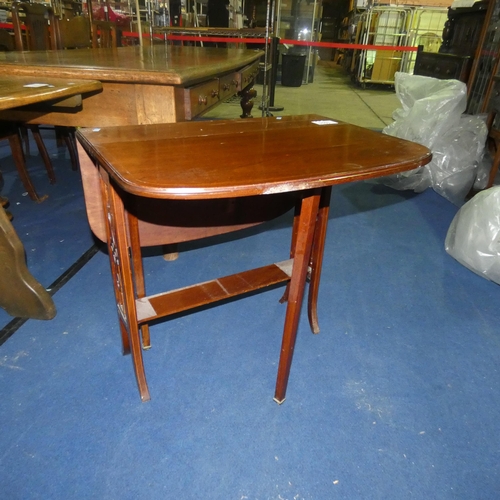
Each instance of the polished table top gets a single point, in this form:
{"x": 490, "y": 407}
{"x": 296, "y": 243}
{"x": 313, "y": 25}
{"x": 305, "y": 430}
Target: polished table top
{"x": 261, "y": 156}
{"x": 159, "y": 64}
{"x": 16, "y": 91}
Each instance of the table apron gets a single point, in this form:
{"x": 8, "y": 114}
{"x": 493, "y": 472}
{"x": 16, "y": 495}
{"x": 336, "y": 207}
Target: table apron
{"x": 117, "y": 104}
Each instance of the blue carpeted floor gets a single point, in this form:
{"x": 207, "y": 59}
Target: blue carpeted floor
{"x": 398, "y": 396}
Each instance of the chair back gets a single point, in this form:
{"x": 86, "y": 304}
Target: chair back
{"x": 75, "y": 33}
{"x": 41, "y": 27}
{"x": 6, "y": 41}
{"x": 103, "y": 35}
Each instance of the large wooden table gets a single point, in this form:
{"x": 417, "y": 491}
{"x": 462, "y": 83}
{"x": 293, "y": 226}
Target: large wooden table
{"x": 178, "y": 182}
{"x": 158, "y": 84}
{"x": 20, "y": 293}
{"x": 47, "y": 94}
{"x": 18, "y": 91}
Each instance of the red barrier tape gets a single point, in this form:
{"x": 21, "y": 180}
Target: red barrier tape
{"x": 260, "y": 41}
{"x": 357, "y": 46}
{"x": 8, "y": 26}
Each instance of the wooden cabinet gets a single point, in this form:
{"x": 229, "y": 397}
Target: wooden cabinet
{"x": 443, "y": 66}
{"x": 463, "y": 29}
{"x": 461, "y": 36}
{"x": 141, "y": 85}
{"x": 201, "y": 98}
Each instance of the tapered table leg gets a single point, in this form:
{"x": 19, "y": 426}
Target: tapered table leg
{"x": 317, "y": 257}
{"x": 20, "y": 162}
{"x": 138, "y": 270}
{"x": 43, "y": 153}
{"x": 123, "y": 280}
{"x": 302, "y": 254}
{"x": 295, "y": 229}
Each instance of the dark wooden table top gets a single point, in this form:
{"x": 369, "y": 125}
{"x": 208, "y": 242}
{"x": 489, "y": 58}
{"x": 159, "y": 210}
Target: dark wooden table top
{"x": 16, "y": 91}
{"x": 159, "y": 64}
{"x": 261, "y": 156}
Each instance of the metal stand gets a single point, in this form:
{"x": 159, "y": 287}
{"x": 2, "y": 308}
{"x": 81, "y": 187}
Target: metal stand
{"x": 274, "y": 73}
{"x": 273, "y": 77}
{"x": 268, "y": 100}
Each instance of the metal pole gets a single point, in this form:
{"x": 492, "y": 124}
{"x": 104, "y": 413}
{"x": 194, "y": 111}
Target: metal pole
{"x": 139, "y": 24}
{"x": 269, "y": 83}
{"x": 274, "y": 73}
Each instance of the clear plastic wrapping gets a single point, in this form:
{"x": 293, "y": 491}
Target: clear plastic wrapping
{"x": 473, "y": 238}
{"x": 432, "y": 114}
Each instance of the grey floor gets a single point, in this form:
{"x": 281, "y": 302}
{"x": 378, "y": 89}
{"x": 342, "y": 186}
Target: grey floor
{"x": 331, "y": 94}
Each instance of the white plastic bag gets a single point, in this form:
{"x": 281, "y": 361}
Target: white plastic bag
{"x": 457, "y": 153}
{"x": 473, "y": 237}
{"x": 430, "y": 107}
{"x": 483, "y": 171}
{"x": 432, "y": 115}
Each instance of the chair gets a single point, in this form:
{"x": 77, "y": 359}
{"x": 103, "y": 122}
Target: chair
{"x": 75, "y": 33}
{"x": 78, "y": 33}
{"x": 6, "y": 41}
{"x": 10, "y": 131}
{"x": 41, "y": 33}
{"x": 41, "y": 27}
{"x": 103, "y": 35}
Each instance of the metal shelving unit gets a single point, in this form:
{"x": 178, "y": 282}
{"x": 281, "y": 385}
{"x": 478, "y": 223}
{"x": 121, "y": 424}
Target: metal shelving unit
{"x": 381, "y": 26}
{"x": 426, "y": 29}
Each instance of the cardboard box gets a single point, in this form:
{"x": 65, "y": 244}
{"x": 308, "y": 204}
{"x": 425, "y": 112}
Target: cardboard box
{"x": 386, "y": 63}
{"x": 358, "y": 4}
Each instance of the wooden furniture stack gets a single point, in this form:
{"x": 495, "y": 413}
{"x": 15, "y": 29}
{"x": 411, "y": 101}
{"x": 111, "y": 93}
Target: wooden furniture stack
{"x": 461, "y": 38}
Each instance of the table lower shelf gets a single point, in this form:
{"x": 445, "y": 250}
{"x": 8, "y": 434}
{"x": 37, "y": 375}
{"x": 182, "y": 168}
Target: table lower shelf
{"x": 183, "y": 299}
